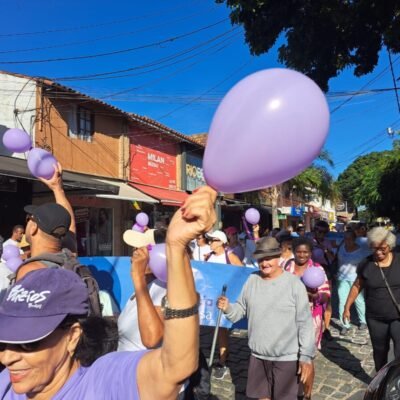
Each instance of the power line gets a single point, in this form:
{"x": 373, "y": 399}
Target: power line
{"x": 394, "y": 79}
{"x": 115, "y": 52}
{"x": 99, "y": 25}
{"x": 204, "y": 93}
{"x": 143, "y": 66}
{"x": 98, "y": 39}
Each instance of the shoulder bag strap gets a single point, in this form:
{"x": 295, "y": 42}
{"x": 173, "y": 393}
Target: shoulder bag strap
{"x": 389, "y": 290}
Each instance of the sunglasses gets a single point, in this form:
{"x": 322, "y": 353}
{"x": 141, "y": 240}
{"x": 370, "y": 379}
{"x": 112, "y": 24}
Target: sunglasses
{"x": 213, "y": 240}
{"x": 23, "y": 347}
{"x": 28, "y": 218}
{"x": 321, "y": 231}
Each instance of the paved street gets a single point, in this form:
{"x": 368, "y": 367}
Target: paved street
{"x": 343, "y": 366}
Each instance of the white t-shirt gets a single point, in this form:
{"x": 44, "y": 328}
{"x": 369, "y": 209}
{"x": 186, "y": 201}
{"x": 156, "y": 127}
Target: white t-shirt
{"x": 110, "y": 307}
{"x": 128, "y": 324}
{"x": 199, "y": 252}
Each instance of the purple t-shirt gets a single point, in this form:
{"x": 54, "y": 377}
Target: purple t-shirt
{"x": 112, "y": 376}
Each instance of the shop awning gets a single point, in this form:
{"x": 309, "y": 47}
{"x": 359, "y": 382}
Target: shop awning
{"x": 125, "y": 192}
{"x": 17, "y": 168}
{"x": 165, "y": 196}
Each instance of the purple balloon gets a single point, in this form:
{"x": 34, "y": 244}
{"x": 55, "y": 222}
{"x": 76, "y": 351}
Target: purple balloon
{"x": 252, "y": 216}
{"x": 138, "y": 228}
{"x": 158, "y": 261}
{"x": 142, "y": 219}
{"x": 313, "y": 277}
{"x": 10, "y": 251}
{"x": 41, "y": 163}
{"x": 17, "y": 140}
{"x": 267, "y": 129}
{"x": 14, "y": 263}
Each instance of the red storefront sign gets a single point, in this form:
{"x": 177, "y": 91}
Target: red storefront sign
{"x": 152, "y": 166}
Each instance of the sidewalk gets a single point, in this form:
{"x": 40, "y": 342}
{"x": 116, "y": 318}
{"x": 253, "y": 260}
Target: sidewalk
{"x": 343, "y": 367}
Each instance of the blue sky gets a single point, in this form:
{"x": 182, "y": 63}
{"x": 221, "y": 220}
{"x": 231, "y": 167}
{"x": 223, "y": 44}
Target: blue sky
{"x": 190, "y": 56}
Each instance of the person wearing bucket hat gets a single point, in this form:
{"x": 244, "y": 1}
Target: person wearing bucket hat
{"x": 281, "y": 333}
{"x": 43, "y": 319}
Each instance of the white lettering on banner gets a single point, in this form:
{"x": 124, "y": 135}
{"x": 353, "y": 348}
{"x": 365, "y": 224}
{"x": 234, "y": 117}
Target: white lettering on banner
{"x": 18, "y": 295}
{"x": 155, "y": 158}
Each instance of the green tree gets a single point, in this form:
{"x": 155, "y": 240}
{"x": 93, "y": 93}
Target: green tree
{"x": 322, "y": 37}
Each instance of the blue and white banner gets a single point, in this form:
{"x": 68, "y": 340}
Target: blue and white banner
{"x": 113, "y": 275}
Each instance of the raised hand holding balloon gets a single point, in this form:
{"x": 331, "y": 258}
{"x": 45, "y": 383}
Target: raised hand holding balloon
{"x": 142, "y": 220}
{"x": 17, "y": 140}
{"x": 41, "y": 163}
{"x": 267, "y": 113}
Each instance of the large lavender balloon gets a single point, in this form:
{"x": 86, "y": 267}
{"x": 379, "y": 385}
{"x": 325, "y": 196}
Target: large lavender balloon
{"x": 313, "y": 277}
{"x": 267, "y": 129}
{"x": 17, "y": 140}
{"x": 10, "y": 251}
{"x": 41, "y": 163}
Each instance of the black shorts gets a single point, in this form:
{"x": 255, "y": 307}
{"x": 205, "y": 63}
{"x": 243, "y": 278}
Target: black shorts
{"x": 272, "y": 379}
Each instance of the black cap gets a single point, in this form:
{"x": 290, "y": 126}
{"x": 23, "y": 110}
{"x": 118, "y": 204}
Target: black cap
{"x": 51, "y": 218}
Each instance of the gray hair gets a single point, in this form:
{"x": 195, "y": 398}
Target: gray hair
{"x": 379, "y": 235}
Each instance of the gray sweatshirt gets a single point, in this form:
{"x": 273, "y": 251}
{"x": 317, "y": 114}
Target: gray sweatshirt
{"x": 280, "y": 323}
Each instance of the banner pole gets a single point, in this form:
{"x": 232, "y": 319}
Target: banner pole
{"x": 214, "y": 342}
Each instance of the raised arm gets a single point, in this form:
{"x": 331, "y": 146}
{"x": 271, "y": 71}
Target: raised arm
{"x": 151, "y": 324}
{"x": 55, "y": 184}
{"x": 160, "y": 372}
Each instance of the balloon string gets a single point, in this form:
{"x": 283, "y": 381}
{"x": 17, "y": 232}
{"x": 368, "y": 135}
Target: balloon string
{"x": 246, "y": 228}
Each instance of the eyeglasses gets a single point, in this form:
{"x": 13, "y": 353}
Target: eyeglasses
{"x": 382, "y": 249}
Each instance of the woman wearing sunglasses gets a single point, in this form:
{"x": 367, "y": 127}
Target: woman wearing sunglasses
{"x": 379, "y": 276}
{"x": 52, "y": 350}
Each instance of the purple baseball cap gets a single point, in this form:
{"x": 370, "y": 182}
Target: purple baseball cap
{"x": 36, "y": 305}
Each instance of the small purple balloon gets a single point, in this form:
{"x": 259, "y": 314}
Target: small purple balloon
{"x": 10, "y": 251}
{"x": 142, "y": 219}
{"x": 17, "y": 140}
{"x": 313, "y": 277}
{"x": 252, "y": 216}
{"x": 158, "y": 261}
{"x": 41, "y": 163}
{"x": 138, "y": 228}
{"x": 14, "y": 263}
{"x": 266, "y": 112}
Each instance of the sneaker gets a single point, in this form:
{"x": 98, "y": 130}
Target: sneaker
{"x": 363, "y": 327}
{"x": 327, "y": 335}
{"x": 344, "y": 331}
{"x": 220, "y": 371}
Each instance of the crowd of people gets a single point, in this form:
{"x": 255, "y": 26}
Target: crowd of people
{"x": 63, "y": 338}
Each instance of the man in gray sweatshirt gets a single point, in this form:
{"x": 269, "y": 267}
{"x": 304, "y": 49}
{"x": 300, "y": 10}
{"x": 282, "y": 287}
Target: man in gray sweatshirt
{"x": 280, "y": 327}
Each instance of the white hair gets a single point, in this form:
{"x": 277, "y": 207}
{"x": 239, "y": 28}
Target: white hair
{"x": 380, "y": 235}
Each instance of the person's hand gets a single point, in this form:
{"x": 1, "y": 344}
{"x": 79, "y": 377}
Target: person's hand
{"x": 305, "y": 370}
{"x": 312, "y": 294}
{"x": 196, "y": 216}
{"x": 346, "y": 316}
{"x": 256, "y": 228}
{"x": 55, "y": 182}
{"x": 139, "y": 262}
{"x": 223, "y": 303}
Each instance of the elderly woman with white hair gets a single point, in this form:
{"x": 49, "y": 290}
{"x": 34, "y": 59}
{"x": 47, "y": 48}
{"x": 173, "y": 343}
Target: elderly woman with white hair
{"x": 379, "y": 276}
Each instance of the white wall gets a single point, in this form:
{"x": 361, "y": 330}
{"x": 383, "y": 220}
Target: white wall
{"x": 19, "y": 93}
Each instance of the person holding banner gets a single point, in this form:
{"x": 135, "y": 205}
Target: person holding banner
{"x": 281, "y": 334}
{"x": 219, "y": 254}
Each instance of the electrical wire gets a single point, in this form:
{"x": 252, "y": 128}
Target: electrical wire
{"x": 98, "y": 39}
{"x": 100, "y": 25}
{"x": 115, "y": 52}
{"x": 394, "y": 80}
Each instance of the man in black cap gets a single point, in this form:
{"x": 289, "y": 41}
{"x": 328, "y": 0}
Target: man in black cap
{"x": 46, "y": 226}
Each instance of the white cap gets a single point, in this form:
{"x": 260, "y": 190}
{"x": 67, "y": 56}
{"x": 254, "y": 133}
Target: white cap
{"x": 217, "y": 235}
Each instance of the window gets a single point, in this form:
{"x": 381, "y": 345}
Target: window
{"x": 80, "y": 123}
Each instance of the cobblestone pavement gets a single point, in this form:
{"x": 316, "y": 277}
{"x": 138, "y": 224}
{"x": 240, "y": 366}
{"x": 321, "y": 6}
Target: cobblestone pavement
{"x": 344, "y": 366}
